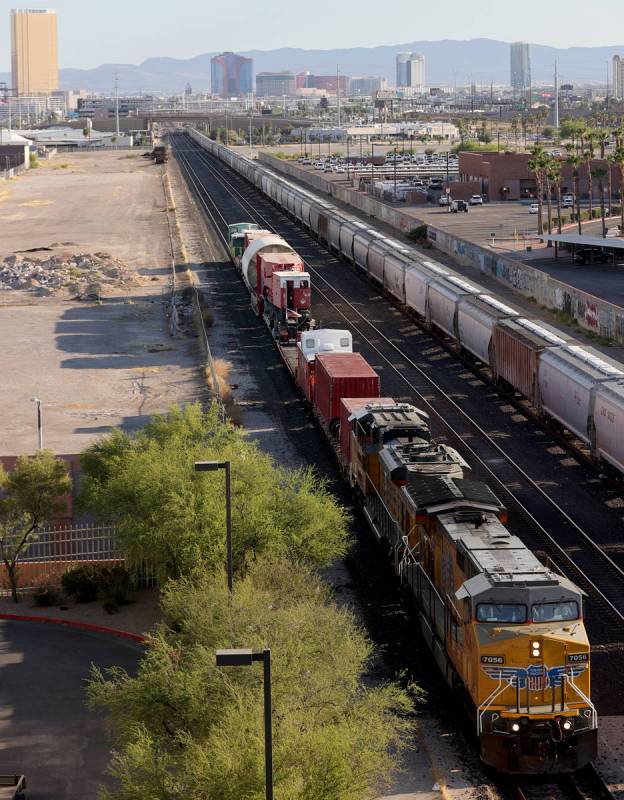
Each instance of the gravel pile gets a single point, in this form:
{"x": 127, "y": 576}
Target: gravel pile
{"x": 80, "y": 275}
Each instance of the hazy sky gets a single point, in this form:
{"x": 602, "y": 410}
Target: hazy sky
{"x": 128, "y": 31}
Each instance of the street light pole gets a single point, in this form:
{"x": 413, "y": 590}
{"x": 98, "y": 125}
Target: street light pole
{"x": 212, "y": 466}
{"x": 39, "y": 422}
{"x": 244, "y": 657}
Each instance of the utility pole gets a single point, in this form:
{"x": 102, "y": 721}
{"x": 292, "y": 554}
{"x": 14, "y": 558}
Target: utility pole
{"x": 338, "y": 91}
{"x": 556, "y": 109}
{"x": 117, "y": 104}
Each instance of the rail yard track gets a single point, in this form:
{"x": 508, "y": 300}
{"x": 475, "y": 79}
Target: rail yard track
{"x": 547, "y": 526}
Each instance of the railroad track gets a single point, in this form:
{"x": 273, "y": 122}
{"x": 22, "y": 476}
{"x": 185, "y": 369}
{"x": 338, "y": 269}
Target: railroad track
{"x": 583, "y": 785}
{"x": 558, "y": 534}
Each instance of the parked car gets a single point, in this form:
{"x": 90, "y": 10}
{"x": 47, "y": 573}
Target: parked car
{"x": 476, "y": 200}
{"x": 444, "y": 200}
{"x": 567, "y": 201}
{"x": 586, "y": 255}
{"x": 459, "y": 205}
{"x": 534, "y": 208}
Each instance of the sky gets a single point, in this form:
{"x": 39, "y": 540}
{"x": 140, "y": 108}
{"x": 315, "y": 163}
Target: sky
{"x": 129, "y": 31}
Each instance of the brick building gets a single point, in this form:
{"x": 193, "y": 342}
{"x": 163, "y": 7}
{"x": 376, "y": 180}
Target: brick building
{"x": 506, "y": 176}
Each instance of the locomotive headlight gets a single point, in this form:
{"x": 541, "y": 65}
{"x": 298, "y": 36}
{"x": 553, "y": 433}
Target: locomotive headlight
{"x": 515, "y": 727}
{"x": 567, "y": 725}
{"x": 536, "y": 649}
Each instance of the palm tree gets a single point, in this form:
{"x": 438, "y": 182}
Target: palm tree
{"x": 574, "y": 160}
{"x": 537, "y": 164}
{"x": 547, "y": 172}
{"x": 600, "y": 173}
{"x": 610, "y": 162}
{"x": 618, "y": 159}
{"x": 554, "y": 178}
{"x": 603, "y": 139}
{"x": 588, "y": 154}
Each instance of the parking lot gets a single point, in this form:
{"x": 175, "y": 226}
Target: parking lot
{"x": 46, "y": 731}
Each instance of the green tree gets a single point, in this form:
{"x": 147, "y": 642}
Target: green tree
{"x": 183, "y": 728}
{"x": 574, "y": 160}
{"x": 28, "y": 499}
{"x": 618, "y": 160}
{"x": 166, "y": 512}
{"x": 588, "y": 155}
{"x": 600, "y": 174}
{"x": 537, "y": 165}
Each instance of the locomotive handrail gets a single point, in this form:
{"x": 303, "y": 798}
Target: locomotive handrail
{"x": 490, "y": 700}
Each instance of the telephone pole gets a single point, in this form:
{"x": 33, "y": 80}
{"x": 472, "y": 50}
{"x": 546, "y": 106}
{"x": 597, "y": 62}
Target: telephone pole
{"x": 117, "y": 104}
{"x": 556, "y": 108}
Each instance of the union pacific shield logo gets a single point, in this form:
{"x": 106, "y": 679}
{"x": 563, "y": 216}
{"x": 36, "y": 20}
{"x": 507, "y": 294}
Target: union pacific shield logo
{"x": 537, "y": 676}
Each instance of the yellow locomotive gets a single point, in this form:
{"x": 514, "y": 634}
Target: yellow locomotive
{"x": 504, "y": 629}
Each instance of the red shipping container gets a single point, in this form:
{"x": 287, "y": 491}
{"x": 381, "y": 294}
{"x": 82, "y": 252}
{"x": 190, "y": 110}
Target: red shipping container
{"x": 347, "y": 406}
{"x": 341, "y": 375}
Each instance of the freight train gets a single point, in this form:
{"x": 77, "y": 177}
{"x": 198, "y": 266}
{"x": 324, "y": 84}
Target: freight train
{"x": 506, "y": 631}
{"x": 574, "y": 387}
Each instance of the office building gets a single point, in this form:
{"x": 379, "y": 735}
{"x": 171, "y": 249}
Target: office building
{"x": 367, "y": 86}
{"x": 410, "y": 71}
{"x": 520, "y": 69}
{"x": 275, "y": 84}
{"x": 618, "y": 77}
{"x": 34, "y": 55}
{"x": 324, "y": 83}
{"x": 231, "y": 75}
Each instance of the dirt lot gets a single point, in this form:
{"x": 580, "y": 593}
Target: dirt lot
{"x": 93, "y": 364}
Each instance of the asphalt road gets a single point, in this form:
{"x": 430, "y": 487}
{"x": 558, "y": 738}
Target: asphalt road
{"x": 46, "y": 732}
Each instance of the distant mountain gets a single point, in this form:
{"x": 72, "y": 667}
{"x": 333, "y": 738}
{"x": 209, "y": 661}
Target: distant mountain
{"x": 478, "y": 60}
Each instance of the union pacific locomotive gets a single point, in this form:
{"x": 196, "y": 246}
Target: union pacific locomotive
{"x": 506, "y": 632}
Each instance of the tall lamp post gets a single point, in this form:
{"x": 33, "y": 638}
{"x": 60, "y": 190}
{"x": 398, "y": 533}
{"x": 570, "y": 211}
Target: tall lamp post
{"x": 244, "y": 657}
{"x": 37, "y": 401}
{"x": 212, "y": 466}
{"x": 372, "y": 168}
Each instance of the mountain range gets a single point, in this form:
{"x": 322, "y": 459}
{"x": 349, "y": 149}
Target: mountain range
{"x": 478, "y": 60}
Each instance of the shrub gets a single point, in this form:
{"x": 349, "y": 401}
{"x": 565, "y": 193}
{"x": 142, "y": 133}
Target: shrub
{"x": 82, "y": 582}
{"x": 46, "y": 594}
{"x": 418, "y": 234}
{"x": 116, "y": 586}
{"x": 86, "y": 581}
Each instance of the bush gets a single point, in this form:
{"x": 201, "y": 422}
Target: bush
{"x": 418, "y": 234}
{"x": 46, "y": 595}
{"x": 82, "y": 582}
{"x": 86, "y": 581}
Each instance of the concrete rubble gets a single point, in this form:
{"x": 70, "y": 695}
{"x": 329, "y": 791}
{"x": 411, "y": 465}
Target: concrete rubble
{"x": 84, "y": 276}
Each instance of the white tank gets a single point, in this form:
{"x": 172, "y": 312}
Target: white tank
{"x": 270, "y": 244}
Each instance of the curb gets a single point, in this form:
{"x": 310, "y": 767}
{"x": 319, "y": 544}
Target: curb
{"x": 86, "y": 626}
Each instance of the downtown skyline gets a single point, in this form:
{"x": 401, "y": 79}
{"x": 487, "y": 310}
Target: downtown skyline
{"x": 186, "y": 30}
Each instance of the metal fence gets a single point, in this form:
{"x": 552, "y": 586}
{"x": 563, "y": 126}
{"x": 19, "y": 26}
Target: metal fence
{"x": 57, "y": 549}
{"x": 95, "y": 542}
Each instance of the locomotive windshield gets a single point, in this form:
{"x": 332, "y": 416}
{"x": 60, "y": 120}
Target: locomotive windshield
{"x": 510, "y": 613}
{"x": 555, "y": 612}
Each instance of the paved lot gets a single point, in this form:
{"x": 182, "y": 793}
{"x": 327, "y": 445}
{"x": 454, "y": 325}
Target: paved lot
{"x": 46, "y": 732}
{"x": 94, "y": 366}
